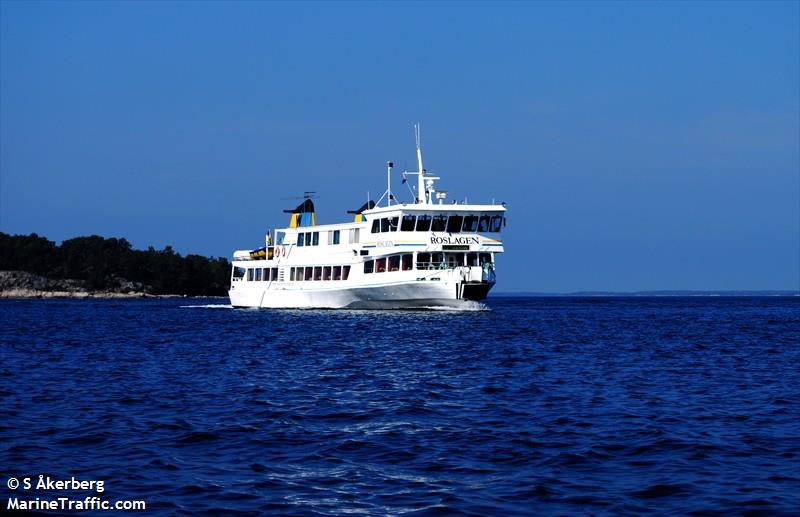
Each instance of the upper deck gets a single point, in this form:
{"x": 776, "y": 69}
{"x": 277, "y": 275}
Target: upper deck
{"x": 426, "y": 224}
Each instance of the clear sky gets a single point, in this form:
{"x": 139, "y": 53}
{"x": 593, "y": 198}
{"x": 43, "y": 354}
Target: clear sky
{"x": 638, "y": 145}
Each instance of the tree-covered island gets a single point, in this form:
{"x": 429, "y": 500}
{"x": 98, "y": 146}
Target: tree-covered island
{"x": 96, "y": 265}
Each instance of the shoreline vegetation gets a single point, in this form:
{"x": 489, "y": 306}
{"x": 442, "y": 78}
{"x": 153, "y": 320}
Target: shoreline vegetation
{"x": 32, "y": 266}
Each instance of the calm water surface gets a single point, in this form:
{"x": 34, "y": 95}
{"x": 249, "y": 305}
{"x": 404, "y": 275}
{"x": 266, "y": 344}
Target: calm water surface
{"x": 538, "y": 405}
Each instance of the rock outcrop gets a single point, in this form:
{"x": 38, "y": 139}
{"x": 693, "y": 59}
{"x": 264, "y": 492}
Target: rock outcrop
{"x": 21, "y": 284}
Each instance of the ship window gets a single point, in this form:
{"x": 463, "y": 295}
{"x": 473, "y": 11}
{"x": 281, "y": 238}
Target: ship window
{"x": 238, "y": 272}
{"x": 483, "y": 224}
{"x": 330, "y": 237}
{"x": 317, "y": 272}
{"x": 385, "y": 225}
{"x": 308, "y": 238}
{"x": 455, "y": 259}
{"x": 309, "y": 272}
{"x": 364, "y": 252}
{"x": 486, "y": 258}
{"x": 369, "y": 266}
{"x": 408, "y": 223}
{"x": 423, "y": 223}
{"x": 258, "y": 274}
{"x": 408, "y": 259}
{"x": 345, "y": 272}
{"x": 472, "y": 259}
{"x": 326, "y": 273}
{"x": 337, "y": 272}
{"x": 439, "y": 223}
{"x": 423, "y": 260}
{"x": 300, "y": 239}
{"x": 354, "y": 235}
{"x": 274, "y": 274}
{"x": 315, "y": 239}
{"x": 437, "y": 260}
{"x": 393, "y": 224}
{"x": 394, "y": 263}
{"x": 291, "y": 274}
{"x": 497, "y": 222}
{"x": 470, "y": 223}
{"x": 336, "y": 236}
{"x": 454, "y": 223}
{"x": 279, "y": 236}
{"x": 376, "y": 226}
{"x": 249, "y": 274}
{"x": 380, "y": 265}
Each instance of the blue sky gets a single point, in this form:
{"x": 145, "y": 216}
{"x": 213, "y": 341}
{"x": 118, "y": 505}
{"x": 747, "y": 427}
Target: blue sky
{"x": 638, "y": 145}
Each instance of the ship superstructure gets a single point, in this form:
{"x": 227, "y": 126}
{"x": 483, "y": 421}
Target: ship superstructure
{"x": 399, "y": 255}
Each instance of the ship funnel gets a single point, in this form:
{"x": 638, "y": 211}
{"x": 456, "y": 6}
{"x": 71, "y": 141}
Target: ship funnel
{"x": 303, "y": 215}
{"x": 369, "y": 205}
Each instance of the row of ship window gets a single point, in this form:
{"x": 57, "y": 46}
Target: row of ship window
{"x": 398, "y": 262}
{"x": 440, "y": 223}
{"x": 436, "y": 260}
{"x": 334, "y": 237}
{"x": 300, "y": 274}
{"x": 256, "y": 274}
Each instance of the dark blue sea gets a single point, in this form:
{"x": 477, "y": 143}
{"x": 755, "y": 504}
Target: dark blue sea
{"x": 602, "y": 406}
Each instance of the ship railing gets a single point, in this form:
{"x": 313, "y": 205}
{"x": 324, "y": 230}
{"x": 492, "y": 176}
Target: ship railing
{"x": 433, "y": 265}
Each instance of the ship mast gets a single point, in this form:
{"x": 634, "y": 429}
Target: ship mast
{"x": 422, "y": 195}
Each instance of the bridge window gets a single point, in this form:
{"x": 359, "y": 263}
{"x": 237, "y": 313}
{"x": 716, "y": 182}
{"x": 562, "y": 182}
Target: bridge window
{"x": 300, "y": 241}
{"x": 315, "y": 239}
{"x": 337, "y": 272}
{"x": 439, "y": 223}
{"x": 279, "y": 236}
{"x": 369, "y": 266}
{"x": 238, "y": 272}
{"x": 483, "y": 223}
{"x": 394, "y": 263}
{"x": 380, "y": 265}
{"x": 454, "y": 223}
{"x": 345, "y": 272}
{"x": 408, "y": 223}
{"x": 376, "y": 226}
{"x": 497, "y": 223}
{"x": 385, "y": 225}
{"x": 470, "y": 223}
{"x": 308, "y": 238}
{"x": 423, "y": 223}
{"x": 408, "y": 260}
{"x": 393, "y": 224}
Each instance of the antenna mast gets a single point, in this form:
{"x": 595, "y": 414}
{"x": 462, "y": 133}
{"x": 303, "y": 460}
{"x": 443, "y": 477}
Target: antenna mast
{"x": 422, "y": 194}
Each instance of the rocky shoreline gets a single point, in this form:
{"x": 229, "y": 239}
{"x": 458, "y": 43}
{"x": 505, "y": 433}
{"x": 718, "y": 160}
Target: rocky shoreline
{"x": 22, "y": 284}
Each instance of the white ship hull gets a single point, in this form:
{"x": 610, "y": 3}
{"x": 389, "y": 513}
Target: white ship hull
{"x": 410, "y": 294}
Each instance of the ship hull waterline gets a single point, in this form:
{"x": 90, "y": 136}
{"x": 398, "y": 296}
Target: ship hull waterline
{"x": 405, "y": 295}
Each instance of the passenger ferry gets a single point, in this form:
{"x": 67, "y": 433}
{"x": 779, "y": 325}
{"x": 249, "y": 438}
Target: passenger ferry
{"x": 425, "y": 253}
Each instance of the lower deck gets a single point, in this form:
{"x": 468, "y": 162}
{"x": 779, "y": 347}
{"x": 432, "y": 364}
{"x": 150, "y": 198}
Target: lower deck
{"x": 395, "y": 280}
